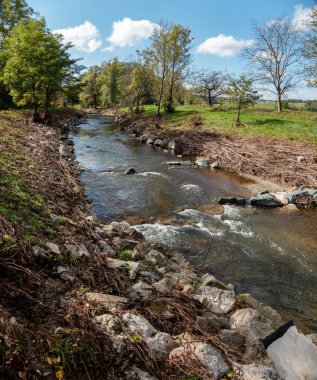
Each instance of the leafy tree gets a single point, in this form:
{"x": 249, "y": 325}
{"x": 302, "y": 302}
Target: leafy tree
{"x": 90, "y": 94}
{"x": 11, "y": 12}
{"x": 275, "y": 55}
{"x": 110, "y": 76}
{"x": 37, "y": 62}
{"x": 209, "y": 85}
{"x": 241, "y": 95}
{"x": 141, "y": 83}
{"x": 158, "y": 56}
{"x": 310, "y": 50}
{"x": 179, "y": 59}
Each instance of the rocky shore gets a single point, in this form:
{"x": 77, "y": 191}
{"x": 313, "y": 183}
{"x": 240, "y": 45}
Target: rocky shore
{"x": 89, "y": 300}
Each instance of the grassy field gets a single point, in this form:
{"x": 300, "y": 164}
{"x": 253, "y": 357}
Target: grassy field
{"x": 260, "y": 121}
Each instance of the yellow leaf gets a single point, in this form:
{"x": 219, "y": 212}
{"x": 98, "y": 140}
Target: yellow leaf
{"x": 59, "y": 374}
{"x": 49, "y": 361}
{"x": 58, "y": 359}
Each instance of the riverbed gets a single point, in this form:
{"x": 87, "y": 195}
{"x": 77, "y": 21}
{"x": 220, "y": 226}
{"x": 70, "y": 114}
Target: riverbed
{"x": 271, "y": 254}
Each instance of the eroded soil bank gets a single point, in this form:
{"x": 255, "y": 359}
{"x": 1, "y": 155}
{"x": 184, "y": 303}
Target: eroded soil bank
{"x": 288, "y": 163}
{"x": 85, "y": 300}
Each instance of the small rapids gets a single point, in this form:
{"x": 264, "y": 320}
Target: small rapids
{"x": 271, "y": 254}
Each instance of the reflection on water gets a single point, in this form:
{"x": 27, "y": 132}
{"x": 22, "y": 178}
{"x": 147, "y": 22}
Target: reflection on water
{"x": 269, "y": 253}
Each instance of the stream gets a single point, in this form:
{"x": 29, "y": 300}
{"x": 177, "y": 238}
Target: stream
{"x": 270, "y": 253}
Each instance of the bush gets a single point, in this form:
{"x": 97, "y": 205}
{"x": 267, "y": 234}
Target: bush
{"x": 196, "y": 121}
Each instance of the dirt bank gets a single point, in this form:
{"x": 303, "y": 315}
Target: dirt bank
{"x": 289, "y": 163}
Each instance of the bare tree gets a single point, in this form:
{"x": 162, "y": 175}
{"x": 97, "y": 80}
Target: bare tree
{"x": 275, "y": 55}
{"x": 310, "y": 49}
{"x": 208, "y": 85}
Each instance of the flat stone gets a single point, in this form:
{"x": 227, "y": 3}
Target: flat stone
{"x": 232, "y": 201}
{"x": 132, "y": 266}
{"x": 265, "y": 200}
{"x": 77, "y": 251}
{"x": 53, "y": 248}
{"x": 106, "y": 300}
{"x": 254, "y": 372}
{"x": 139, "y": 324}
{"x": 173, "y": 163}
{"x": 210, "y": 357}
{"x": 293, "y": 195}
{"x": 210, "y": 280}
{"x": 217, "y": 300}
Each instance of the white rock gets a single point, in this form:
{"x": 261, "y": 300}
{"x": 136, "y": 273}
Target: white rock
{"x": 106, "y": 300}
{"x": 217, "y": 300}
{"x": 251, "y": 325}
{"x": 164, "y": 286}
{"x": 143, "y": 289}
{"x": 294, "y": 356}
{"x": 139, "y": 324}
{"x": 209, "y": 356}
{"x": 137, "y": 374}
{"x": 132, "y": 266}
{"x": 253, "y": 372}
{"x": 53, "y": 248}
{"x": 160, "y": 344}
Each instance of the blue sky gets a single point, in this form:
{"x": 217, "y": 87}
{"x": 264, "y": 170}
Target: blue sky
{"x": 102, "y": 29}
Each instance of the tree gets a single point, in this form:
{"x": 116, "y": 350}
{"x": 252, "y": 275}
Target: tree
{"x": 141, "y": 83}
{"x": 179, "y": 59}
{"x": 310, "y": 50}
{"x": 274, "y": 56}
{"x": 11, "y": 12}
{"x": 241, "y": 95}
{"x": 209, "y": 85}
{"x": 158, "y": 56}
{"x": 37, "y": 62}
{"x": 90, "y": 94}
{"x": 110, "y": 76}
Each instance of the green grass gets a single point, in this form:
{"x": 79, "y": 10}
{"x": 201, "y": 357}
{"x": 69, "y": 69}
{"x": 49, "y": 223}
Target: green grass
{"x": 24, "y": 217}
{"x": 292, "y": 124}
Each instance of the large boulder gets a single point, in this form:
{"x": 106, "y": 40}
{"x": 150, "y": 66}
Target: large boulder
{"x": 217, "y": 300}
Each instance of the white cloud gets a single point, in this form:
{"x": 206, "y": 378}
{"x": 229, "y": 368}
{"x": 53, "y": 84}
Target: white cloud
{"x": 302, "y": 17}
{"x": 84, "y": 37}
{"x": 223, "y": 46}
{"x": 128, "y": 32}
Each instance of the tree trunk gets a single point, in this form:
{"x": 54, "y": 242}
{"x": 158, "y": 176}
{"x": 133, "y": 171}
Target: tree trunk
{"x": 95, "y": 102}
{"x": 279, "y": 103}
{"x": 209, "y": 98}
{"x": 36, "y": 115}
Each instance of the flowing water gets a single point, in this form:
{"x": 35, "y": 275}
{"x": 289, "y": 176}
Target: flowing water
{"x": 271, "y": 254}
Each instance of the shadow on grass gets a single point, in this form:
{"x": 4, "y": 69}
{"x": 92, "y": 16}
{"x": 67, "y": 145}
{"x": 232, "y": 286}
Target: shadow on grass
{"x": 275, "y": 122}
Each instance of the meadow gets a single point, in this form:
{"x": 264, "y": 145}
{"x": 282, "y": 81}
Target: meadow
{"x": 262, "y": 120}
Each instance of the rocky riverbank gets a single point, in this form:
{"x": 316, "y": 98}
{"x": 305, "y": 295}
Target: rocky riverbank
{"x": 288, "y": 163}
{"x": 85, "y": 300}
